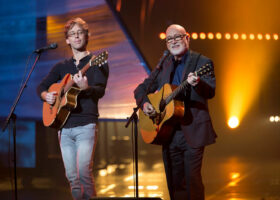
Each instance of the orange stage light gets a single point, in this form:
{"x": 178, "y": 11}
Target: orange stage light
{"x": 210, "y": 36}
{"x": 252, "y": 36}
{"x": 218, "y": 36}
{"x": 260, "y": 36}
{"x": 162, "y": 36}
{"x": 235, "y": 36}
{"x": 227, "y": 36}
{"x": 202, "y": 36}
{"x": 233, "y": 122}
{"x": 194, "y": 36}
{"x": 243, "y": 36}
{"x": 267, "y": 36}
{"x": 275, "y": 36}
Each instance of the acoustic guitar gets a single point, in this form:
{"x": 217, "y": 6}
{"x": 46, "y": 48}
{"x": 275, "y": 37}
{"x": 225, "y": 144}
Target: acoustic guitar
{"x": 158, "y": 129}
{"x": 67, "y": 92}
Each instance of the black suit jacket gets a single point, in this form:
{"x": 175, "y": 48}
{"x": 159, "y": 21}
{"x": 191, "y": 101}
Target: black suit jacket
{"x": 196, "y": 124}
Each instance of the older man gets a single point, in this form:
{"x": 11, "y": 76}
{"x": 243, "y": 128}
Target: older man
{"x": 183, "y": 153}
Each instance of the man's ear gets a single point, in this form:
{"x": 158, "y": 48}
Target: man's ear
{"x": 67, "y": 41}
{"x": 188, "y": 37}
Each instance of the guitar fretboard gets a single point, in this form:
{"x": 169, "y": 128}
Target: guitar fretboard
{"x": 95, "y": 60}
{"x": 179, "y": 89}
{"x": 206, "y": 69}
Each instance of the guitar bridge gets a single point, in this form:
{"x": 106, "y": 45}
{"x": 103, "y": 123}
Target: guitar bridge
{"x": 158, "y": 117}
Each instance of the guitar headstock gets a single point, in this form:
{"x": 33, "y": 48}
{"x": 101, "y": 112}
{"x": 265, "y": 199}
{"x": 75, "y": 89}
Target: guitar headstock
{"x": 100, "y": 59}
{"x": 205, "y": 70}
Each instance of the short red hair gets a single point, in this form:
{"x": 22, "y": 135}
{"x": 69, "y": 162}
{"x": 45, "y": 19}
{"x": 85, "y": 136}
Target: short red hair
{"x": 72, "y": 22}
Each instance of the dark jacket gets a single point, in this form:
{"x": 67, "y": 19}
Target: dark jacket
{"x": 196, "y": 124}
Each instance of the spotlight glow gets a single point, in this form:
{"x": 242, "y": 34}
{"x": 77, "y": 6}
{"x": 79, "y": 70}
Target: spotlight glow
{"x": 271, "y": 119}
{"x": 260, "y": 36}
{"x": 234, "y": 175}
{"x": 267, "y": 36}
{"x": 162, "y": 36}
{"x": 194, "y": 36}
{"x": 233, "y": 122}
{"x": 232, "y": 184}
{"x": 252, "y": 36}
{"x": 103, "y": 172}
{"x": 243, "y": 36}
{"x": 227, "y": 36}
{"x": 274, "y": 118}
{"x": 202, "y": 36}
{"x": 239, "y": 90}
{"x": 210, "y": 36}
{"x": 235, "y": 36}
{"x": 218, "y": 36}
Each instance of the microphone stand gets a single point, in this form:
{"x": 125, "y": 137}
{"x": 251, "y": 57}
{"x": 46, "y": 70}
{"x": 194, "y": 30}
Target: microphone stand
{"x": 134, "y": 117}
{"x": 13, "y": 117}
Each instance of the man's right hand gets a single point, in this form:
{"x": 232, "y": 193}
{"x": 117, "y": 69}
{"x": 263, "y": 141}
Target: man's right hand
{"x": 49, "y": 97}
{"x": 148, "y": 109}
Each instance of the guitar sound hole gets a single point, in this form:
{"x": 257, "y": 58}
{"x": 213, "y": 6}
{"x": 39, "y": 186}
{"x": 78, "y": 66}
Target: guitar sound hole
{"x": 157, "y": 119}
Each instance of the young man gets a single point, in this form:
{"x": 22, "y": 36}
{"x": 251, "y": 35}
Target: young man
{"x": 79, "y": 133}
{"x": 183, "y": 154}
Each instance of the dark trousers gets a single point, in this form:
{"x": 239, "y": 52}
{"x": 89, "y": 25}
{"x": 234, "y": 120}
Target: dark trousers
{"x": 183, "y": 169}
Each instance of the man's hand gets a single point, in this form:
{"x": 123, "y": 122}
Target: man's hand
{"x": 49, "y": 97}
{"x": 80, "y": 80}
{"x": 193, "y": 79}
{"x": 148, "y": 109}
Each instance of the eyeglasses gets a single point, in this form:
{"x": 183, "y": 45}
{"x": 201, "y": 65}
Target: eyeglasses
{"x": 176, "y": 38}
{"x": 73, "y": 34}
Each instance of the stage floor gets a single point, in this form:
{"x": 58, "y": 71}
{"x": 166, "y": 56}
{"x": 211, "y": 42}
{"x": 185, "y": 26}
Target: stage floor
{"x": 225, "y": 178}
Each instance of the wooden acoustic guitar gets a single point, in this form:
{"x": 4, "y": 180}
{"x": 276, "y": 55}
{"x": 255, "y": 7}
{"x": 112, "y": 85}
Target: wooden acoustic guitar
{"x": 158, "y": 129}
{"x": 67, "y": 92}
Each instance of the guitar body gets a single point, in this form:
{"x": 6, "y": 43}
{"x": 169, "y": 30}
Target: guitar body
{"x": 56, "y": 115}
{"x": 158, "y": 130}
{"x": 66, "y": 100}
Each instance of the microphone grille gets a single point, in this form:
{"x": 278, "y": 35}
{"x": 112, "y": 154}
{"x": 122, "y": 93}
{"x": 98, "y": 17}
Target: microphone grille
{"x": 165, "y": 53}
{"x": 53, "y": 45}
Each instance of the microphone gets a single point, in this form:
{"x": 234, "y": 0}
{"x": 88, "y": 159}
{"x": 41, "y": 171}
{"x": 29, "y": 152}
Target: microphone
{"x": 166, "y": 53}
{"x": 51, "y": 46}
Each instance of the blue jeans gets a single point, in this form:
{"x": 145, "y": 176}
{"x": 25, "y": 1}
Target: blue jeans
{"x": 77, "y": 148}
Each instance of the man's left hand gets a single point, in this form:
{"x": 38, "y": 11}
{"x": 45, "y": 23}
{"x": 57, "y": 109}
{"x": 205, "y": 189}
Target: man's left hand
{"x": 193, "y": 80}
{"x": 81, "y": 80}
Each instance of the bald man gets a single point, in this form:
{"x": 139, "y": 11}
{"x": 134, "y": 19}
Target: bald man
{"x": 183, "y": 152}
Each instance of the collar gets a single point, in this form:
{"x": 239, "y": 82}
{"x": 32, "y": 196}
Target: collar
{"x": 183, "y": 60}
{"x": 83, "y": 59}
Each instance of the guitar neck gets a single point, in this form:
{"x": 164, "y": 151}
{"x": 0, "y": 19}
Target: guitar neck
{"x": 98, "y": 60}
{"x": 70, "y": 83}
{"x": 179, "y": 89}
